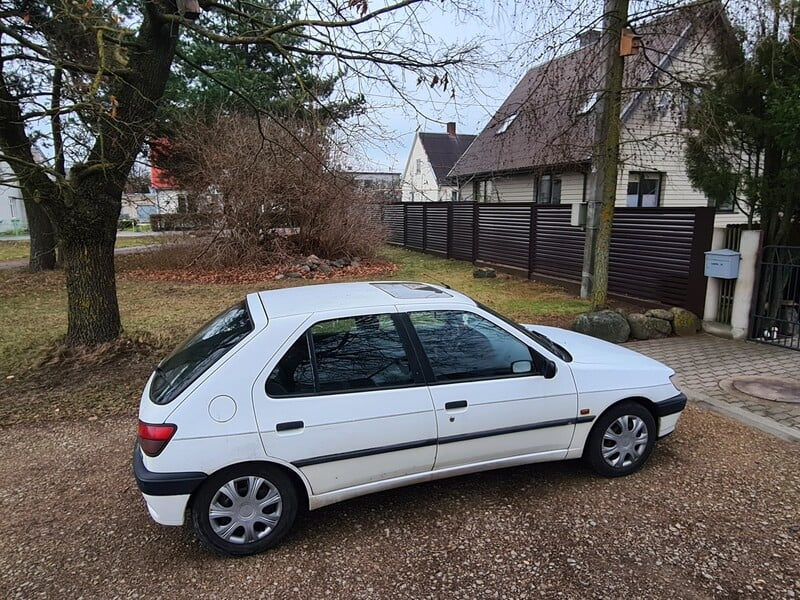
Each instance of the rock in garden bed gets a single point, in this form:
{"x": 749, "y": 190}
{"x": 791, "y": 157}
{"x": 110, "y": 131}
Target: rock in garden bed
{"x": 607, "y": 325}
{"x": 617, "y": 326}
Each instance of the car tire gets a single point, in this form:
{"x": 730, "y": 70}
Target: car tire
{"x": 621, "y": 440}
{"x": 244, "y": 510}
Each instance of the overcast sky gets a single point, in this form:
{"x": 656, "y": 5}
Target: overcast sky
{"x": 512, "y": 37}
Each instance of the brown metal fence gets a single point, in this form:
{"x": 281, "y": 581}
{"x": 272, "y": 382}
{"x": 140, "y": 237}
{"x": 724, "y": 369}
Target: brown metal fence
{"x": 656, "y": 253}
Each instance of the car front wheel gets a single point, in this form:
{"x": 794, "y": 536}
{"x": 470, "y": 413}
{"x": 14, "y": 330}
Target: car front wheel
{"x": 244, "y": 510}
{"x": 621, "y": 441}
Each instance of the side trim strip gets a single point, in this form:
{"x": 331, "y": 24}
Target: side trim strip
{"x": 671, "y": 406}
{"x": 163, "y": 484}
{"x": 516, "y": 429}
{"x": 318, "y": 460}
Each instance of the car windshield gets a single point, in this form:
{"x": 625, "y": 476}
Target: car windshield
{"x": 199, "y": 352}
{"x": 537, "y": 337}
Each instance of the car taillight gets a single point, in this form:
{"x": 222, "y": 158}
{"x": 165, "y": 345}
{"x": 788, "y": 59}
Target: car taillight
{"x": 153, "y": 438}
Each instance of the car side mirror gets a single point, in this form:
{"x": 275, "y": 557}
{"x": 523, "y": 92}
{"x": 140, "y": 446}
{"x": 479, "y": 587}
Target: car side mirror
{"x": 521, "y": 366}
{"x": 549, "y": 369}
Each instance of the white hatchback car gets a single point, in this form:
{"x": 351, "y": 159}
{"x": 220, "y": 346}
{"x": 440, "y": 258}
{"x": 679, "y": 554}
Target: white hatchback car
{"x": 306, "y": 396}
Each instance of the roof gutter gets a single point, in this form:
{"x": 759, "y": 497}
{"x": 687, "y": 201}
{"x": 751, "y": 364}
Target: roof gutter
{"x": 577, "y": 166}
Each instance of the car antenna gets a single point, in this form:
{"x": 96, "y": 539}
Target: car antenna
{"x": 441, "y": 283}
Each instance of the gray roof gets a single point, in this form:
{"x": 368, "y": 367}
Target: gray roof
{"x": 547, "y": 117}
{"x": 443, "y": 151}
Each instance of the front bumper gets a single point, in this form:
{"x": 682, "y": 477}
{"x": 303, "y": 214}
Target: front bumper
{"x": 668, "y": 412}
{"x": 670, "y": 406}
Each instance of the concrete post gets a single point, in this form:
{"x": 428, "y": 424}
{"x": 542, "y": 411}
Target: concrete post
{"x": 713, "y": 287}
{"x": 745, "y": 284}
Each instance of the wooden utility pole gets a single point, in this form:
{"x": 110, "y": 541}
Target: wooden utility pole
{"x": 600, "y": 209}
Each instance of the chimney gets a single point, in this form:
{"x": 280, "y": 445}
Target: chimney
{"x": 589, "y": 37}
{"x": 451, "y": 128}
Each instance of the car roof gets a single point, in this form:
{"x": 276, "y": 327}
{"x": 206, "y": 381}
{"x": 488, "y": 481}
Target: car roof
{"x": 367, "y": 294}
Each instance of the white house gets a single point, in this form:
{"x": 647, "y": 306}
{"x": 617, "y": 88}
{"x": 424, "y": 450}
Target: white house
{"x": 431, "y": 158}
{"x": 12, "y": 209}
{"x": 538, "y": 146}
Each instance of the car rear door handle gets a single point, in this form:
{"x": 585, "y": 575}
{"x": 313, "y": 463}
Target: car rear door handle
{"x": 288, "y": 425}
{"x": 455, "y": 404}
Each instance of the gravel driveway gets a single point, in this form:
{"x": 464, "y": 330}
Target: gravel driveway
{"x": 715, "y": 514}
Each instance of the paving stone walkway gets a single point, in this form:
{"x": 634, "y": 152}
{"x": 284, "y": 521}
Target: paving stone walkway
{"x": 705, "y": 364}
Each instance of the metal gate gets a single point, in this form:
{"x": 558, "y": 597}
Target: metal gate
{"x": 776, "y": 310}
{"x": 727, "y": 287}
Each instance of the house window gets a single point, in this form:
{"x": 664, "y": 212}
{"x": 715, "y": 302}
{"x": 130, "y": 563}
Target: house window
{"x": 589, "y": 104}
{"x": 725, "y": 205}
{"x": 505, "y": 124}
{"x": 419, "y": 165}
{"x": 644, "y": 189}
{"x": 454, "y": 196}
{"x": 482, "y": 190}
{"x": 548, "y": 190}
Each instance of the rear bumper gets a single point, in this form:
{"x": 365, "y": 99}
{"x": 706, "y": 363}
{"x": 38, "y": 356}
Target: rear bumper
{"x": 164, "y": 484}
{"x": 166, "y": 494}
{"x": 167, "y": 510}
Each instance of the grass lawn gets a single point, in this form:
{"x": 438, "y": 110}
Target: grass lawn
{"x": 37, "y": 383}
{"x": 16, "y": 250}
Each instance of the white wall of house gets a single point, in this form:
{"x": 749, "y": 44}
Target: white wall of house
{"x": 466, "y": 192}
{"x": 517, "y": 188}
{"x": 419, "y": 181}
{"x": 167, "y": 201}
{"x": 572, "y": 188}
{"x": 653, "y": 137}
{"x": 446, "y": 193}
{"x": 11, "y": 204}
{"x": 522, "y": 188}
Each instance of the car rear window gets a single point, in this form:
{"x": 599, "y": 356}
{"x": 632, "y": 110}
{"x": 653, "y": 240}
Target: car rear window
{"x": 201, "y": 350}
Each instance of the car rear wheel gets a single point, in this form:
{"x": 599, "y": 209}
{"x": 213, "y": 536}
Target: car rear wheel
{"x": 244, "y": 510}
{"x": 621, "y": 441}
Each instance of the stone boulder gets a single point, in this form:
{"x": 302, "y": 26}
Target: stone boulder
{"x": 644, "y": 327}
{"x": 605, "y": 324}
{"x": 660, "y": 313}
{"x": 685, "y": 322}
{"x": 484, "y": 273}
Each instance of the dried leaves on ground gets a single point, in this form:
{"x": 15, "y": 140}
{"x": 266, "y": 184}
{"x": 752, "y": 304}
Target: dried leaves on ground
{"x": 243, "y": 275}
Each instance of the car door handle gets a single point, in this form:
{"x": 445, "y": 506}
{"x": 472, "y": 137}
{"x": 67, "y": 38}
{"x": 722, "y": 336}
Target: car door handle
{"x": 455, "y": 404}
{"x": 288, "y": 425}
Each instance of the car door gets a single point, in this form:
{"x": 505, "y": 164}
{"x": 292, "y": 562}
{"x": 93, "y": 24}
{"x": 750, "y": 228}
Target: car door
{"x": 346, "y": 403}
{"x": 495, "y": 395}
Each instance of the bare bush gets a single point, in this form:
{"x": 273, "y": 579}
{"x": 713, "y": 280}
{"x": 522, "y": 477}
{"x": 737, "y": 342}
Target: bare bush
{"x": 270, "y": 190}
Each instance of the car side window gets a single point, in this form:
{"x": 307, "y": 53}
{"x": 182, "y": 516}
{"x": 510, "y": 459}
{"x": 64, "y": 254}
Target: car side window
{"x": 463, "y": 345}
{"x": 293, "y": 374}
{"x": 357, "y": 353}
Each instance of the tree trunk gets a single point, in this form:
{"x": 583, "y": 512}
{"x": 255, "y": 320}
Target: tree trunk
{"x": 93, "y": 312}
{"x": 86, "y": 237}
{"x": 616, "y": 15}
{"x": 43, "y": 239}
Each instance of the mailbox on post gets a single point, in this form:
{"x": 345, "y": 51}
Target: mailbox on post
{"x": 722, "y": 264}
